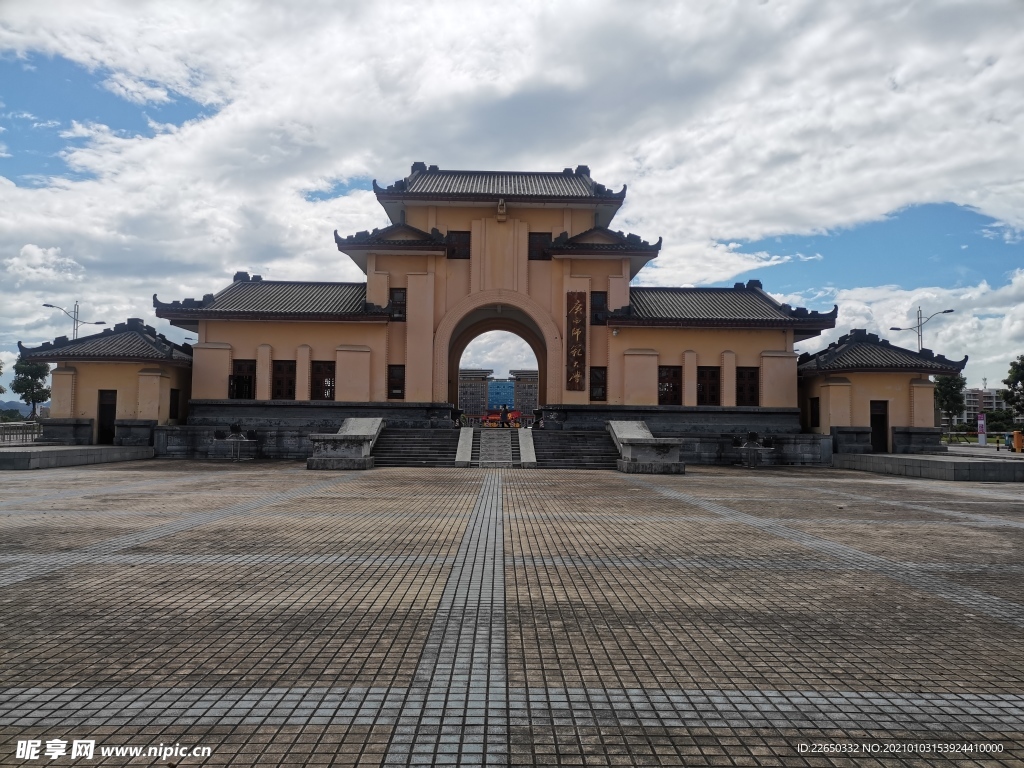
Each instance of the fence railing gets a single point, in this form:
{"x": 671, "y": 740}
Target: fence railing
{"x": 20, "y": 431}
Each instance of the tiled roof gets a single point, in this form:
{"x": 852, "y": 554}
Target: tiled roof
{"x": 395, "y": 236}
{"x": 622, "y": 243}
{"x": 246, "y": 297}
{"x": 132, "y": 341}
{"x": 431, "y": 182}
{"x": 862, "y": 351}
{"x": 741, "y": 305}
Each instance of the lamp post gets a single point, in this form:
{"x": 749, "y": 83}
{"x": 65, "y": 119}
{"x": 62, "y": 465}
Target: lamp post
{"x": 920, "y": 325}
{"x": 74, "y": 316}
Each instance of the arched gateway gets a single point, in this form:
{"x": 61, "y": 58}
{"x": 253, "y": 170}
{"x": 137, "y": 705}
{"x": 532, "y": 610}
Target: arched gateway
{"x": 468, "y": 252}
{"x": 473, "y": 251}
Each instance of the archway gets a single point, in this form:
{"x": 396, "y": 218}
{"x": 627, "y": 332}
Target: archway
{"x": 490, "y": 319}
{"x": 495, "y": 311}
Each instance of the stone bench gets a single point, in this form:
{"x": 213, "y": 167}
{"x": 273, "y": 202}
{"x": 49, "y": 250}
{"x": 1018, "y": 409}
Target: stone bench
{"x": 640, "y": 452}
{"x": 348, "y": 448}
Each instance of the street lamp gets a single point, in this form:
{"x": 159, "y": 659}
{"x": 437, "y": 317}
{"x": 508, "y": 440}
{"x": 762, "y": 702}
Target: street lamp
{"x": 74, "y": 316}
{"x": 920, "y": 324}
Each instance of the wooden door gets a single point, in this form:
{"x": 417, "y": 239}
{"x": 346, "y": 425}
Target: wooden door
{"x": 105, "y": 416}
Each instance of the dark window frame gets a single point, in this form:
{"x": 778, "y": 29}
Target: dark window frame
{"x": 398, "y": 299}
{"x": 460, "y": 244}
{"x": 396, "y": 382}
{"x": 598, "y": 306}
{"x": 537, "y": 243}
{"x": 599, "y": 383}
{"x": 748, "y": 386}
{"x": 283, "y": 374}
{"x": 242, "y": 381}
{"x": 323, "y": 380}
{"x": 708, "y": 392}
{"x": 670, "y": 385}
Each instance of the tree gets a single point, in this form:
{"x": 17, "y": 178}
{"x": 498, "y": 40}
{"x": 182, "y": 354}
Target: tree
{"x": 1013, "y": 395}
{"x": 999, "y": 421}
{"x": 2, "y": 388}
{"x": 949, "y": 395}
{"x": 30, "y": 382}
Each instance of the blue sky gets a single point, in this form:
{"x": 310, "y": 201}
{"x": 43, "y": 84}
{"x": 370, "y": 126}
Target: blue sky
{"x": 938, "y": 244}
{"x": 42, "y": 95}
{"x": 865, "y": 155}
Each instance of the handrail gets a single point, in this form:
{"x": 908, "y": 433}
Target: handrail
{"x": 20, "y": 431}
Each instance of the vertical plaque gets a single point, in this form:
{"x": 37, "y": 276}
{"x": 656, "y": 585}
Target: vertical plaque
{"x": 576, "y": 341}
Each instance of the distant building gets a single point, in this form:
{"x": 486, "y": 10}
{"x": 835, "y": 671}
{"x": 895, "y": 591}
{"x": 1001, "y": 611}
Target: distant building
{"x": 500, "y": 392}
{"x": 526, "y": 390}
{"x": 473, "y": 390}
{"x": 977, "y": 400}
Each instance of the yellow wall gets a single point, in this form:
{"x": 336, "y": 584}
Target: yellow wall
{"x": 845, "y": 401}
{"x": 223, "y": 341}
{"x": 143, "y": 390}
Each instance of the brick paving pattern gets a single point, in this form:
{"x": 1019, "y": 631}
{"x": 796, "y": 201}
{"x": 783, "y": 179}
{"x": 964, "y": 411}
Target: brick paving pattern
{"x": 509, "y": 617}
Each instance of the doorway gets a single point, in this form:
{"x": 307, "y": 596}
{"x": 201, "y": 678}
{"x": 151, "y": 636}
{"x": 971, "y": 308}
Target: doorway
{"x": 880, "y": 426}
{"x": 105, "y": 416}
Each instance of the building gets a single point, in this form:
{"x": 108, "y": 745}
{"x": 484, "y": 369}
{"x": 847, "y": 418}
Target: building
{"x": 501, "y": 392}
{"x": 978, "y": 400}
{"x": 525, "y": 390}
{"x": 116, "y": 386}
{"x": 473, "y": 390}
{"x": 467, "y": 252}
{"x": 872, "y": 396}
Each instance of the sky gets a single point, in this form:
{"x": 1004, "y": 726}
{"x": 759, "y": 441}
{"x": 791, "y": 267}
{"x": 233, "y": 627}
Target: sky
{"x": 865, "y": 154}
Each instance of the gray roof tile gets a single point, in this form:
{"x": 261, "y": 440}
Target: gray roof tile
{"x": 131, "y": 340}
{"x": 424, "y": 182}
{"x": 863, "y": 351}
{"x": 274, "y": 298}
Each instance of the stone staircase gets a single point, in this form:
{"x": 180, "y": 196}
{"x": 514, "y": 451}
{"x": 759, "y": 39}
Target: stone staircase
{"x": 558, "y": 449}
{"x": 494, "y": 448}
{"x": 416, "y": 448}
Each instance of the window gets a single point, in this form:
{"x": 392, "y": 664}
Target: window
{"x": 598, "y": 307}
{"x": 815, "y": 412}
{"x": 397, "y": 298}
{"x": 748, "y": 386}
{"x": 174, "y": 409}
{"x": 242, "y": 381}
{"x": 322, "y": 380}
{"x": 283, "y": 387}
{"x": 709, "y": 385}
{"x": 459, "y": 245}
{"x": 670, "y": 385}
{"x": 598, "y": 383}
{"x": 396, "y": 382}
{"x": 538, "y": 241}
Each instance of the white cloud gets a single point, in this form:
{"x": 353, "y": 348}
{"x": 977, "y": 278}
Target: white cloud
{"x": 499, "y": 351}
{"x": 41, "y": 266}
{"x": 46, "y": 124}
{"x": 135, "y": 90}
{"x": 728, "y": 122}
{"x": 987, "y": 323}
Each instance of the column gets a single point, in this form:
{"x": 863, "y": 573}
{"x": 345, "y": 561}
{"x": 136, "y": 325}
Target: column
{"x": 728, "y": 378}
{"x": 689, "y": 377}
{"x": 151, "y": 381}
{"x": 419, "y": 339}
{"x": 211, "y": 366}
{"x": 778, "y": 379}
{"x": 264, "y": 371}
{"x": 62, "y": 393}
{"x": 352, "y": 374}
{"x": 303, "y": 368}
{"x": 640, "y": 377}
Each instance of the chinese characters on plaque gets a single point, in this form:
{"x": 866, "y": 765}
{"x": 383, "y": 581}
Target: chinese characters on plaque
{"x": 576, "y": 341}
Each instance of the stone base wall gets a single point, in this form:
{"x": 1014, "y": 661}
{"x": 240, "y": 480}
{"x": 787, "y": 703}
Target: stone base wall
{"x": 134, "y": 431}
{"x": 66, "y": 431}
{"x": 800, "y": 450}
{"x": 316, "y": 416}
{"x": 673, "y": 420}
{"x": 917, "y": 440}
{"x": 651, "y": 467}
{"x": 192, "y": 442}
{"x": 851, "y": 439}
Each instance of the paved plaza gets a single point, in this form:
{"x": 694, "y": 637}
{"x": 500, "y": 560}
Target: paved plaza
{"x": 278, "y": 616}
